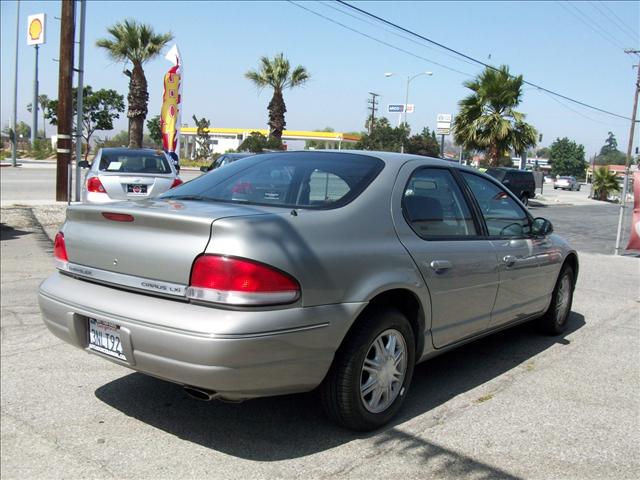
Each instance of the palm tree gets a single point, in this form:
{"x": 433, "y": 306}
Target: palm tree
{"x": 137, "y": 43}
{"x": 277, "y": 74}
{"x": 488, "y": 120}
{"x": 604, "y": 182}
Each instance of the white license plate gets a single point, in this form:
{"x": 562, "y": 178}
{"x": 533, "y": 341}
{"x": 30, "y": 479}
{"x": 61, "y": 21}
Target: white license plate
{"x": 104, "y": 337}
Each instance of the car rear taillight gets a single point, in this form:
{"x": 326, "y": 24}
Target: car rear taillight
{"x": 177, "y": 182}
{"x": 95, "y": 185}
{"x": 237, "y": 281}
{"x": 60, "y": 252}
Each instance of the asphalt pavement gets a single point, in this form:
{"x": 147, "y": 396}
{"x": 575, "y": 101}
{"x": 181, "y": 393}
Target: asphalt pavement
{"x": 513, "y": 405}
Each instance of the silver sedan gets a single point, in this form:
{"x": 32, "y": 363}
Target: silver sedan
{"x": 128, "y": 174}
{"x": 284, "y": 272}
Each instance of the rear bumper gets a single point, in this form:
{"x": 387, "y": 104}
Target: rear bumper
{"x": 238, "y": 354}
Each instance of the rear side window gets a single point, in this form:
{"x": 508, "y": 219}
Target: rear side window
{"x": 134, "y": 162}
{"x": 496, "y": 173}
{"x": 435, "y": 207}
{"x": 502, "y": 215}
{"x": 298, "y": 180}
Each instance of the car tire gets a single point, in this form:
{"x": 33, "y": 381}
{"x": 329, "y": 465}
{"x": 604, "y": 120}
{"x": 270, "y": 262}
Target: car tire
{"x": 579, "y": 187}
{"x": 524, "y": 198}
{"x": 554, "y": 320}
{"x": 343, "y": 389}
{"x": 555, "y": 188}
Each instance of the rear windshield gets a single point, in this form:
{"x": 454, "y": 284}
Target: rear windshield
{"x": 134, "y": 162}
{"x": 296, "y": 180}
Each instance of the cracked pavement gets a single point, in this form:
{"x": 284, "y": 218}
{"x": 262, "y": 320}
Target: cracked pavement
{"x": 512, "y": 405}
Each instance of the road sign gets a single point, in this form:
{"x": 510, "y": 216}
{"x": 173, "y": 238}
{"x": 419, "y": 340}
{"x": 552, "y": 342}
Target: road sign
{"x": 395, "y": 108}
{"x": 443, "y": 127}
{"x": 35, "y": 29}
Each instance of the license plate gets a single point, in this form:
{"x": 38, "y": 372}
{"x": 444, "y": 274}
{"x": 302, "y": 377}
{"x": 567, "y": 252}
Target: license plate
{"x": 104, "y": 337}
{"x": 137, "y": 189}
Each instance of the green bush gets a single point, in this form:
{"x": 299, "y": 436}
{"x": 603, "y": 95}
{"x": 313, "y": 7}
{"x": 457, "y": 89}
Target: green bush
{"x": 41, "y": 149}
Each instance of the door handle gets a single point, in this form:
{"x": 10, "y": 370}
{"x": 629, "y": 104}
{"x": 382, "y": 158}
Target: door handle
{"x": 440, "y": 266}
{"x": 509, "y": 260}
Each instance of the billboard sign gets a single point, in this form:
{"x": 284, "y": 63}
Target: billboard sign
{"x": 395, "y": 108}
{"x": 35, "y": 29}
{"x": 410, "y": 107}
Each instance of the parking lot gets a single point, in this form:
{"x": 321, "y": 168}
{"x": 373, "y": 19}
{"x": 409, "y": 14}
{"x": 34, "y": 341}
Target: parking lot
{"x": 513, "y": 405}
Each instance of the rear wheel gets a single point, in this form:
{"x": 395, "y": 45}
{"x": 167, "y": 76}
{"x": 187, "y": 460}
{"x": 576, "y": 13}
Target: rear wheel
{"x": 554, "y": 321}
{"x": 371, "y": 373}
{"x": 524, "y": 198}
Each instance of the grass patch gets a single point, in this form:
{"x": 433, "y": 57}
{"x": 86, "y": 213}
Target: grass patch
{"x": 484, "y": 398}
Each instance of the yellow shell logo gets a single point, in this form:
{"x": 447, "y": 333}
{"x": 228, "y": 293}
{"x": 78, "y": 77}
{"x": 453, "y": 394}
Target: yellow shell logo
{"x": 35, "y": 29}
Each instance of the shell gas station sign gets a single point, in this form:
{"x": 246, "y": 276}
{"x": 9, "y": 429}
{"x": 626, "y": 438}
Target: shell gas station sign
{"x": 35, "y": 29}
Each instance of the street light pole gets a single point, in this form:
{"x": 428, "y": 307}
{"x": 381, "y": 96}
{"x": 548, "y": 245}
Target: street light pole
{"x": 406, "y": 97}
{"x": 14, "y": 117}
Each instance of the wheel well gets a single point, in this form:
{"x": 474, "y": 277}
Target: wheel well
{"x": 408, "y": 304}
{"x": 572, "y": 261}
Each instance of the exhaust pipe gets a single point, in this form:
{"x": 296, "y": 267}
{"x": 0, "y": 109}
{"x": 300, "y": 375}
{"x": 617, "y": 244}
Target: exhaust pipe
{"x": 200, "y": 393}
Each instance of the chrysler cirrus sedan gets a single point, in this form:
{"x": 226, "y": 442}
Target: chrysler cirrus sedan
{"x": 290, "y": 271}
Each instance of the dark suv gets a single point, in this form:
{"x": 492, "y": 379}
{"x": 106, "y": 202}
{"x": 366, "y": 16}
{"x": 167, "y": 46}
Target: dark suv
{"x": 520, "y": 182}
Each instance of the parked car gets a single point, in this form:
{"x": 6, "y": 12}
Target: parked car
{"x": 567, "y": 183}
{"x": 118, "y": 174}
{"x": 549, "y": 179}
{"x": 291, "y": 271}
{"x": 225, "y": 159}
{"x": 520, "y": 182}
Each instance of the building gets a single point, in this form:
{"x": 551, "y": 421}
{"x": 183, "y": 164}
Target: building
{"x": 224, "y": 139}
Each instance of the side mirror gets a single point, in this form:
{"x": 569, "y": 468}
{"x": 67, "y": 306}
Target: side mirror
{"x": 84, "y": 164}
{"x": 541, "y": 227}
{"x": 204, "y": 168}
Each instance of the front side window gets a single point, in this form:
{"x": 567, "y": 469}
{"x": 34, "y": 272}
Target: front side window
{"x": 435, "y": 207}
{"x": 304, "y": 180}
{"x": 502, "y": 215}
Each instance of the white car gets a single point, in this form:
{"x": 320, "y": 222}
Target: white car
{"x": 128, "y": 174}
{"x": 567, "y": 183}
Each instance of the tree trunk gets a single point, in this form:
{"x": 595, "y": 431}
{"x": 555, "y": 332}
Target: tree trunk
{"x": 277, "y": 109}
{"x": 138, "y": 99}
{"x": 493, "y": 155}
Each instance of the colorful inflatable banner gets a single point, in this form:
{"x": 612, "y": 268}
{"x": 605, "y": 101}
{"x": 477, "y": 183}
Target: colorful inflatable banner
{"x": 171, "y": 102}
{"x": 634, "y": 241}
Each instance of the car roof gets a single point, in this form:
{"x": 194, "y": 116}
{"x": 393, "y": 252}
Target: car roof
{"x": 236, "y": 155}
{"x": 121, "y": 150}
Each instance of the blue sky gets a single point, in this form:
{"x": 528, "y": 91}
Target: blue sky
{"x": 553, "y": 44}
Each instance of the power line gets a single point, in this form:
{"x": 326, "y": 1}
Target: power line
{"x": 614, "y": 22}
{"x": 388, "y": 30}
{"x": 589, "y": 23}
{"x": 380, "y": 41}
{"x": 380, "y": 19}
{"x": 634, "y": 33}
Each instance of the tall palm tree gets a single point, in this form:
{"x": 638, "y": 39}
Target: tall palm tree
{"x": 276, "y": 73}
{"x": 604, "y": 182}
{"x": 137, "y": 43}
{"x": 488, "y": 120}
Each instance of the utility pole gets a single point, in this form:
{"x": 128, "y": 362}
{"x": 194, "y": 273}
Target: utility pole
{"x": 80, "y": 98}
{"x": 373, "y": 106}
{"x": 65, "y": 107}
{"x": 629, "y": 152}
{"x": 14, "y": 118}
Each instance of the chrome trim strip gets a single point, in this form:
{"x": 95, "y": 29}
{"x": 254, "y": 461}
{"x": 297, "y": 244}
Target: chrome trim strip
{"x": 114, "y": 278}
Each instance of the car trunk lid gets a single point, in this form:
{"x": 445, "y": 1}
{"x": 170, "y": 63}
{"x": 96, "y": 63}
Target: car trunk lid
{"x": 134, "y": 186}
{"x": 151, "y": 239}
